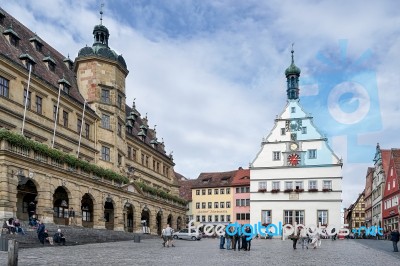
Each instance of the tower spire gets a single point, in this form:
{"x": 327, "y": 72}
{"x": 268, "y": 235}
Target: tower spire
{"x": 292, "y": 74}
{"x": 101, "y": 13}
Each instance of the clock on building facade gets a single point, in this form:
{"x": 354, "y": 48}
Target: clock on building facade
{"x": 293, "y": 159}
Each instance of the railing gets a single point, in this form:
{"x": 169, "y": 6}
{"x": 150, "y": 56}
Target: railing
{"x": 19, "y": 150}
{"x": 40, "y": 157}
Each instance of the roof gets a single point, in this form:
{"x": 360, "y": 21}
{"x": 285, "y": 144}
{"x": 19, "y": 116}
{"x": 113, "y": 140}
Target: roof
{"x": 396, "y": 161}
{"x": 215, "y": 180}
{"x": 385, "y": 161}
{"x": 241, "y": 178}
{"x": 40, "y": 71}
{"x": 185, "y": 189}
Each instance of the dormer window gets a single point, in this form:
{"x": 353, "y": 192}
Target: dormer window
{"x": 12, "y": 36}
{"x": 68, "y": 62}
{"x": 36, "y": 43}
{"x": 27, "y": 60}
{"x": 51, "y": 64}
{"x": 65, "y": 86}
{"x": 2, "y": 16}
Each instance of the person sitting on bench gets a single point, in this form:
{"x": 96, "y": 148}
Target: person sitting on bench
{"x": 59, "y": 237}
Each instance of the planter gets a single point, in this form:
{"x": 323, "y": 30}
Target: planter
{"x": 288, "y": 190}
{"x": 313, "y": 190}
{"x": 299, "y": 190}
{"x": 262, "y": 190}
{"x": 326, "y": 189}
{"x": 275, "y": 191}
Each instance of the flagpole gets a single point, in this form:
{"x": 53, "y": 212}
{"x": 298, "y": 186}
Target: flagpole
{"x": 56, "y": 118}
{"x": 83, "y": 123}
{"x": 26, "y": 99}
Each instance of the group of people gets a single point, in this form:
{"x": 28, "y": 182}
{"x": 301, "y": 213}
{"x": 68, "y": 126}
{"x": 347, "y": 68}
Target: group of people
{"x": 305, "y": 239}
{"x": 44, "y": 236}
{"x": 13, "y": 226}
{"x": 166, "y": 235}
{"x": 237, "y": 241}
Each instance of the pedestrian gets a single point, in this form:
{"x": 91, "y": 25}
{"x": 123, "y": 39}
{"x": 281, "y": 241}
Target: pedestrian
{"x": 394, "y": 237}
{"x": 222, "y": 241}
{"x": 228, "y": 240}
{"x": 40, "y": 231}
{"x": 47, "y": 237}
{"x": 18, "y": 227}
{"x": 168, "y": 234}
{"x": 303, "y": 238}
{"x": 237, "y": 240}
{"x": 59, "y": 237}
{"x": 164, "y": 237}
{"x": 316, "y": 241}
{"x": 248, "y": 242}
{"x": 71, "y": 215}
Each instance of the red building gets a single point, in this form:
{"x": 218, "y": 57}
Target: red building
{"x": 241, "y": 196}
{"x": 391, "y": 194}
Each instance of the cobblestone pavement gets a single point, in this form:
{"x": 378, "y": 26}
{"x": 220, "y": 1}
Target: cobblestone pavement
{"x": 206, "y": 252}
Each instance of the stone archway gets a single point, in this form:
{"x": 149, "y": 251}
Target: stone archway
{"x": 26, "y": 199}
{"x": 87, "y": 210}
{"x": 109, "y": 213}
{"x": 179, "y": 223}
{"x": 159, "y": 222}
{"x": 128, "y": 217}
{"x": 170, "y": 221}
{"x": 145, "y": 220}
{"x": 60, "y": 205}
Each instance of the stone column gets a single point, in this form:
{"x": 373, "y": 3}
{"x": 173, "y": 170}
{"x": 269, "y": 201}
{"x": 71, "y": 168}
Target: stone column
{"x": 118, "y": 215}
{"x": 137, "y": 215}
{"x": 98, "y": 212}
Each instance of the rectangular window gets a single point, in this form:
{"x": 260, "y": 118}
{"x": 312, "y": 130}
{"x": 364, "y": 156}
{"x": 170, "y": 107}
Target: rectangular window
{"x": 222, "y": 218}
{"x": 238, "y": 216}
{"x": 38, "y": 104}
{"x": 197, "y": 205}
{"x": 203, "y": 218}
{"x": 105, "y": 153}
{"x": 293, "y": 216}
{"x": 312, "y": 154}
{"x": 242, "y": 202}
{"x": 322, "y": 216}
{"x": 55, "y": 115}
{"x": 288, "y": 185}
{"x": 87, "y": 130}
{"x": 298, "y": 184}
{"x": 238, "y": 190}
{"x": 293, "y": 109}
{"x": 215, "y": 218}
{"x": 28, "y": 101}
{"x": 105, "y": 96}
{"x": 222, "y": 204}
{"x": 129, "y": 153}
{"x": 228, "y": 191}
{"x": 119, "y": 159}
{"x": 283, "y": 131}
{"x": 293, "y": 136}
{"x": 119, "y": 131}
{"x": 277, "y": 155}
{"x": 216, "y": 205}
{"x": 197, "y": 218}
{"x": 52, "y": 67}
{"x": 210, "y": 205}
{"x": 203, "y": 205}
{"x": 209, "y": 191}
{"x": 228, "y": 218}
{"x": 222, "y": 191}
{"x": 65, "y": 118}
{"x": 228, "y": 204}
{"x": 14, "y": 40}
{"x": 312, "y": 184}
{"x": 304, "y": 130}
{"x": 247, "y": 202}
{"x": 203, "y": 192}
{"x": 237, "y": 202}
{"x": 276, "y": 185}
{"x": 262, "y": 185}
{"x": 216, "y": 191}
{"x": 197, "y": 190}
{"x": 105, "y": 121}
{"x": 266, "y": 217}
{"x": 209, "y": 218}
{"x": 78, "y": 125}
{"x": 119, "y": 101}
{"x": 327, "y": 184}
{"x": 4, "y": 87}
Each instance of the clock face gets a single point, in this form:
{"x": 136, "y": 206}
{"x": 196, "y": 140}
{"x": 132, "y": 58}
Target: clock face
{"x": 293, "y": 146}
{"x": 293, "y": 159}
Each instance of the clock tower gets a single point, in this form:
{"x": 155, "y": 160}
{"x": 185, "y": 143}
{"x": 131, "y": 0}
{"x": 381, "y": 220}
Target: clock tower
{"x": 301, "y": 173}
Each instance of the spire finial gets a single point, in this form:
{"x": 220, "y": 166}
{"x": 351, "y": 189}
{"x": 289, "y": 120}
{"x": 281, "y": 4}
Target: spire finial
{"x": 292, "y": 53}
{"x": 101, "y": 13}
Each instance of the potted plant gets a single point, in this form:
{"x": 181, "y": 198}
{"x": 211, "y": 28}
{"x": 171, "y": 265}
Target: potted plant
{"x": 262, "y": 190}
{"x": 276, "y": 190}
{"x": 288, "y": 190}
{"x": 326, "y": 189}
{"x": 312, "y": 190}
{"x": 299, "y": 189}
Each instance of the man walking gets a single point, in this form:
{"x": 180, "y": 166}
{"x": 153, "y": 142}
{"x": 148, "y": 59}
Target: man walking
{"x": 168, "y": 235}
{"x": 395, "y": 238}
{"x": 71, "y": 215}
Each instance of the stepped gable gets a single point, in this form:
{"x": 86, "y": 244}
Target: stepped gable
{"x": 241, "y": 178}
{"x": 385, "y": 161}
{"x": 396, "y": 161}
{"x": 217, "y": 179}
{"x": 47, "y": 53}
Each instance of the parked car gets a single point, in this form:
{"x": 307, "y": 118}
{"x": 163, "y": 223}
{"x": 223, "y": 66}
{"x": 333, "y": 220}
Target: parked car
{"x": 184, "y": 234}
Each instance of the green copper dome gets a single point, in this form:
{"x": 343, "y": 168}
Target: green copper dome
{"x": 292, "y": 69}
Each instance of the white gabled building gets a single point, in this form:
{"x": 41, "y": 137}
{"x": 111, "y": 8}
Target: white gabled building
{"x": 295, "y": 177}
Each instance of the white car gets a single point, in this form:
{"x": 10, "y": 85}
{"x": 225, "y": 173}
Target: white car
{"x": 184, "y": 234}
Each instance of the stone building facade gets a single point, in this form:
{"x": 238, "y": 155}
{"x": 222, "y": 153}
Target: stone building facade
{"x": 68, "y": 139}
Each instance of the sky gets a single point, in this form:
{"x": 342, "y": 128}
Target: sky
{"x": 210, "y": 73}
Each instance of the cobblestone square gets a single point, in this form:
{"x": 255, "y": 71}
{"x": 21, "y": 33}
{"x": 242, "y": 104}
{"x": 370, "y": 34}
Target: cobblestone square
{"x": 207, "y": 252}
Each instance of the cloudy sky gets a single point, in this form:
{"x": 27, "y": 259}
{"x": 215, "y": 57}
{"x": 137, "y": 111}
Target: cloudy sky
{"x": 210, "y": 73}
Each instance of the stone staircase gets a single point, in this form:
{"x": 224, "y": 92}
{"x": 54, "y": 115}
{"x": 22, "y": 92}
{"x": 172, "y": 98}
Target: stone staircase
{"x": 74, "y": 235}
